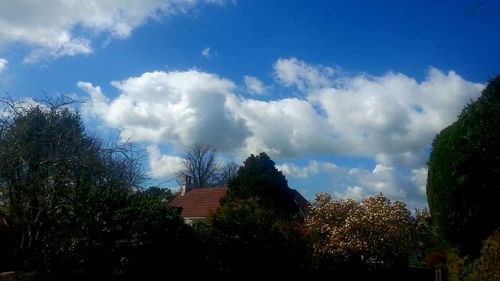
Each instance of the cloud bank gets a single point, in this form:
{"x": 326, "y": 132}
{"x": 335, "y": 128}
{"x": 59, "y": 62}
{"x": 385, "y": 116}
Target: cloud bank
{"x": 390, "y": 119}
{"x": 58, "y": 28}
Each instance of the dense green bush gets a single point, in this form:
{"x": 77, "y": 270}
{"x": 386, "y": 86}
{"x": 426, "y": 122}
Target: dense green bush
{"x": 463, "y": 184}
{"x": 255, "y": 229}
{"x": 71, "y": 207}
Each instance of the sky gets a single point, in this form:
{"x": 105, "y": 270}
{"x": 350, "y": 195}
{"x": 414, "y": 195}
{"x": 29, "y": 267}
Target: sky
{"x": 345, "y": 96}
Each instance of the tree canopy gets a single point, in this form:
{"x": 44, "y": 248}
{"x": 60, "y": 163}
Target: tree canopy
{"x": 463, "y": 185}
{"x": 374, "y": 230}
{"x": 255, "y": 230}
{"x": 68, "y": 203}
{"x": 258, "y": 178}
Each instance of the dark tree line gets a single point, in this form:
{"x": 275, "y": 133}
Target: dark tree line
{"x": 463, "y": 188}
{"x": 70, "y": 205}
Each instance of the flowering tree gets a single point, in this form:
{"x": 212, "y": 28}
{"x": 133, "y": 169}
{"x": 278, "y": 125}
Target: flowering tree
{"x": 374, "y": 230}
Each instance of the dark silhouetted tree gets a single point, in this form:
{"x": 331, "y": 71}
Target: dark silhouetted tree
{"x": 69, "y": 204}
{"x": 255, "y": 229}
{"x": 258, "y": 178}
{"x": 164, "y": 194}
{"x": 463, "y": 184}
{"x": 200, "y": 163}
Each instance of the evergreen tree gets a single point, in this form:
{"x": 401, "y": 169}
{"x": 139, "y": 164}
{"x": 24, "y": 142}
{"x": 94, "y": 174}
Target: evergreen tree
{"x": 463, "y": 183}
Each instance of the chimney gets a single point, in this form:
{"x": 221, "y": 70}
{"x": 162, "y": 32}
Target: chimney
{"x": 187, "y": 185}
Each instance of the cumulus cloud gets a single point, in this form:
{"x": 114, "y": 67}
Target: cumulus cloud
{"x": 65, "y": 28}
{"x": 314, "y": 167}
{"x": 3, "y": 64}
{"x": 254, "y": 85}
{"x": 351, "y": 192}
{"x": 162, "y": 165}
{"x": 419, "y": 178}
{"x": 179, "y": 108}
{"x": 390, "y": 119}
{"x": 294, "y": 72}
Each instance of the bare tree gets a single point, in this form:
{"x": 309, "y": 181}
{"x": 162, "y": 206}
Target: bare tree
{"x": 200, "y": 163}
{"x": 228, "y": 172}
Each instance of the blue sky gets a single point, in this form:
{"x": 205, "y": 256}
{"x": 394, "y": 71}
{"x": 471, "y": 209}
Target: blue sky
{"x": 345, "y": 96}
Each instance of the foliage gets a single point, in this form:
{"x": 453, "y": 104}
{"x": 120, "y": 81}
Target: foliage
{"x": 119, "y": 233}
{"x": 258, "y": 178}
{"x": 487, "y": 265}
{"x": 255, "y": 230}
{"x": 46, "y": 163}
{"x": 463, "y": 184}
{"x": 164, "y": 194}
{"x": 484, "y": 267}
{"x": 374, "y": 230}
{"x": 247, "y": 238}
{"x": 71, "y": 206}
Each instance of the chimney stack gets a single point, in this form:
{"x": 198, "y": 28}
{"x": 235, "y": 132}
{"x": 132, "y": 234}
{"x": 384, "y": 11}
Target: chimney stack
{"x": 187, "y": 185}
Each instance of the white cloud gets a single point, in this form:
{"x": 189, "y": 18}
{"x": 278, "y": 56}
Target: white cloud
{"x": 351, "y": 192}
{"x": 57, "y": 28}
{"x": 286, "y": 127}
{"x": 254, "y": 85}
{"x": 3, "y": 64}
{"x": 179, "y": 108}
{"x": 382, "y": 179}
{"x": 294, "y": 72}
{"x": 419, "y": 178}
{"x": 162, "y": 165}
{"x": 97, "y": 106}
{"x": 206, "y": 52}
{"x": 390, "y": 119}
{"x": 358, "y": 183}
{"x": 314, "y": 167}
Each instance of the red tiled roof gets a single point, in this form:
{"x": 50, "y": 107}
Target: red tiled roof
{"x": 199, "y": 202}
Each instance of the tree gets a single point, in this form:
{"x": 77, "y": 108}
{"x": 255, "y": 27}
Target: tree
{"x": 69, "y": 204}
{"x": 258, "y": 178}
{"x": 46, "y": 163}
{"x": 120, "y": 234}
{"x": 247, "y": 238}
{"x": 374, "y": 230}
{"x": 164, "y": 194}
{"x": 200, "y": 163}
{"x": 228, "y": 172}
{"x": 463, "y": 186}
{"x": 257, "y": 223}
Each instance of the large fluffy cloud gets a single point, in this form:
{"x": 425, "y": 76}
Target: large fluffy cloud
{"x": 58, "y": 28}
{"x": 178, "y": 108}
{"x": 390, "y": 119}
{"x": 162, "y": 165}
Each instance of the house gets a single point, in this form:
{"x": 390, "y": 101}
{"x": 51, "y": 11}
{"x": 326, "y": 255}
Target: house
{"x": 302, "y": 202}
{"x": 195, "y": 204}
